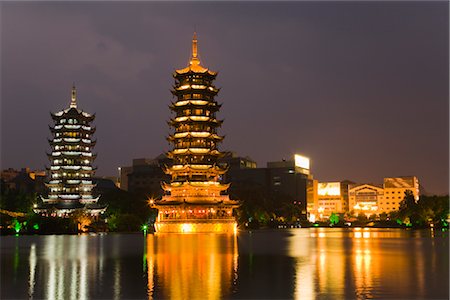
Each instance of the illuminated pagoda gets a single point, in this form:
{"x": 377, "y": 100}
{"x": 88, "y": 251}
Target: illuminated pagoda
{"x": 70, "y": 174}
{"x": 195, "y": 200}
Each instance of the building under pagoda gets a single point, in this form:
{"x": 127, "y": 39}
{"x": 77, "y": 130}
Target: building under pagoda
{"x": 70, "y": 174}
{"x": 195, "y": 200}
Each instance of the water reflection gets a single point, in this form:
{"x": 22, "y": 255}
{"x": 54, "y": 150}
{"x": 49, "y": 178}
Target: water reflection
{"x": 364, "y": 263}
{"x": 191, "y": 266}
{"x": 316, "y": 263}
{"x": 33, "y": 262}
{"x": 65, "y": 259}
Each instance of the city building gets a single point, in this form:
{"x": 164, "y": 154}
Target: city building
{"x": 332, "y": 197}
{"x": 312, "y": 200}
{"x": 123, "y": 177}
{"x": 292, "y": 178}
{"x": 70, "y": 184}
{"x": 376, "y": 199}
{"x": 395, "y": 189}
{"x": 24, "y": 180}
{"x": 195, "y": 200}
{"x": 235, "y": 162}
{"x": 365, "y": 198}
{"x": 145, "y": 176}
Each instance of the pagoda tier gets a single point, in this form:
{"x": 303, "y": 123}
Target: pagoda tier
{"x": 195, "y": 199}
{"x": 195, "y": 104}
{"x": 67, "y": 128}
{"x": 70, "y": 185}
{"x": 192, "y": 137}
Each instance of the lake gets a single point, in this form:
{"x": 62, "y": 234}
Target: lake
{"x": 303, "y": 263}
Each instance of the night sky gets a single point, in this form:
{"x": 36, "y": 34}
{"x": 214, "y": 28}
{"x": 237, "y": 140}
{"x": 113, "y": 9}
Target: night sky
{"x": 359, "y": 87}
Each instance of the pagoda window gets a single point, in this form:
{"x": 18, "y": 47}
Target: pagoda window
{"x": 197, "y": 96}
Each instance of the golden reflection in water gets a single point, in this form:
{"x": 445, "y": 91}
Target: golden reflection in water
{"x": 300, "y": 248}
{"x": 349, "y": 263}
{"x": 192, "y": 266}
{"x": 320, "y": 265}
{"x": 366, "y": 261}
{"x": 331, "y": 261}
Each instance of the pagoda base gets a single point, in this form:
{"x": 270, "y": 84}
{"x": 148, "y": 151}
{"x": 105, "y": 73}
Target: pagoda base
{"x": 196, "y": 226}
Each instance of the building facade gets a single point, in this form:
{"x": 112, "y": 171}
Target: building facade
{"x": 195, "y": 200}
{"x": 348, "y": 197}
{"x": 70, "y": 174}
{"x": 395, "y": 189}
{"x": 145, "y": 176}
{"x": 365, "y": 198}
{"x": 331, "y": 199}
{"x": 376, "y": 199}
{"x": 292, "y": 178}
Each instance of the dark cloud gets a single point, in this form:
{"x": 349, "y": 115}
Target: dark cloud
{"x": 360, "y": 87}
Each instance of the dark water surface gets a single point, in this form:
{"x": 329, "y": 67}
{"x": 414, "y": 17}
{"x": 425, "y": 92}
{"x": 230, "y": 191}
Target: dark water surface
{"x": 309, "y": 263}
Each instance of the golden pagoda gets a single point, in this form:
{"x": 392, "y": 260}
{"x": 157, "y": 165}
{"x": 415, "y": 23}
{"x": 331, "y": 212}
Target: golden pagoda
{"x": 195, "y": 200}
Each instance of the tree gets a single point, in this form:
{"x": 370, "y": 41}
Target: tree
{"x": 334, "y": 219}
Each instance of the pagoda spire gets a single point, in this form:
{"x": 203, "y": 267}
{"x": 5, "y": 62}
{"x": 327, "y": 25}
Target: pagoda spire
{"x": 194, "y": 57}
{"x": 73, "y": 100}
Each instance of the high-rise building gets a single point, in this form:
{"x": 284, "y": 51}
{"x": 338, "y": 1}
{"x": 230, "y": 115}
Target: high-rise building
{"x": 70, "y": 184}
{"x": 292, "y": 178}
{"x": 195, "y": 200}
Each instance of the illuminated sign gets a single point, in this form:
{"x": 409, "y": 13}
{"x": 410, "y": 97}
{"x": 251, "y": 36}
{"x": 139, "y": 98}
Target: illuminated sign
{"x": 301, "y": 161}
{"x": 329, "y": 189}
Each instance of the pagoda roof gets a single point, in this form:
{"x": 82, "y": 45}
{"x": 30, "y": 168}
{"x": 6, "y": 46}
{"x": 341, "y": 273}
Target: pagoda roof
{"x": 194, "y": 66}
{"x": 193, "y": 151}
{"x": 187, "y": 203}
{"x": 73, "y": 141}
{"x": 196, "y": 168}
{"x": 72, "y": 128}
{"x": 198, "y": 87}
{"x": 74, "y": 113}
{"x": 195, "y": 119}
{"x": 194, "y": 135}
{"x": 179, "y": 107}
{"x": 72, "y": 110}
{"x": 195, "y": 184}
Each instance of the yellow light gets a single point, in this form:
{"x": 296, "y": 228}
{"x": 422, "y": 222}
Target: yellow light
{"x": 199, "y": 118}
{"x": 199, "y": 102}
{"x": 196, "y": 86}
{"x": 200, "y": 134}
{"x": 186, "y": 227}
{"x": 301, "y": 161}
{"x": 329, "y": 189}
{"x": 181, "y": 103}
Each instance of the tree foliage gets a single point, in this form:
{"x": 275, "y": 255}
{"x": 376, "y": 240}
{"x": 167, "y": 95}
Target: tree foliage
{"x": 427, "y": 211}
